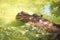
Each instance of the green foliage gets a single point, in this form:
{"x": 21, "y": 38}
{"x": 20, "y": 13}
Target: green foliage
{"x": 56, "y": 8}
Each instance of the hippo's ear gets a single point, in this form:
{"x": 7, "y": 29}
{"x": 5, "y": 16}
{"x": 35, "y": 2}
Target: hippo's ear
{"x": 23, "y": 12}
{"x": 41, "y": 15}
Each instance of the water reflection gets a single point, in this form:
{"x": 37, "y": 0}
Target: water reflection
{"x": 46, "y": 10}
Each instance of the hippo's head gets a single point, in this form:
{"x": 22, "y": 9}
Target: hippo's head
{"x": 22, "y": 16}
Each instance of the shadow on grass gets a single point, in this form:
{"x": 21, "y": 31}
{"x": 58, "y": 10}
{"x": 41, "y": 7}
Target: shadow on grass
{"x": 16, "y": 23}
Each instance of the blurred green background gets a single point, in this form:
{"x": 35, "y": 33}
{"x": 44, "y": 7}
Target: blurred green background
{"x": 12, "y": 29}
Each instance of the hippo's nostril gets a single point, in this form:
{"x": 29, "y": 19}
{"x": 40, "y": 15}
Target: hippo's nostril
{"x": 17, "y": 16}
